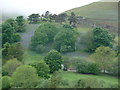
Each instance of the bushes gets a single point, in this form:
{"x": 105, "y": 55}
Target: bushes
{"x": 6, "y": 82}
{"x": 87, "y": 67}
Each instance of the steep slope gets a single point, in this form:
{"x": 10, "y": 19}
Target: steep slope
{"x": 102, "y": 12}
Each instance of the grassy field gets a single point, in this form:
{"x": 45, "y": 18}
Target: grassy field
{"x": 72, "y": 77}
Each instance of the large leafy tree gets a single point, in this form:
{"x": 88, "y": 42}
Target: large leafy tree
{"x": 44, "y": 34}
{"x": 104, "y": 56}
{"x": 65, "y": 39}
{"x": 33, "y": 18}
{"x": 100, "y": 37}
{"x": 54, "y": 60}
{"x": 25, "y": 77}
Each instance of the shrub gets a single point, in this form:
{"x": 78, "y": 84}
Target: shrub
{"x": 6, "y": 82}
{"x": 42, "y": 69}
{"x": 93, "y": 68}
{"x": 10, "y": 66}
{"x": 87, "y": 67}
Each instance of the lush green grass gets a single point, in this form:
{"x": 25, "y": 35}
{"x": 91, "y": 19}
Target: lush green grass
{"x": 83, "y": 28}
{"x": 72, "y": 76}
{"x": 30, "y": 57}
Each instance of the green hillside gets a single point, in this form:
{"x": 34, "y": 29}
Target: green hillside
{"x": 102, "y": 12}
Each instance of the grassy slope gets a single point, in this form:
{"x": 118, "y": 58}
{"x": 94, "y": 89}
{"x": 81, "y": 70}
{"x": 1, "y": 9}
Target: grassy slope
{"x": 71, "y": 76}
{"x": 103, "y": 12}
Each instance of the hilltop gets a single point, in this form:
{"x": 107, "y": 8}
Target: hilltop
{"x": 101, "y": 12}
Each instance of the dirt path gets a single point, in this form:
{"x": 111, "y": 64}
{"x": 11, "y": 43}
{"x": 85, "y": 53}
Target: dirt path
{"x": 26, "y": 36}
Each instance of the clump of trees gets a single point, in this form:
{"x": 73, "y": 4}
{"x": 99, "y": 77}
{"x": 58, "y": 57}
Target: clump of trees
{"x": 64, "y": 41}
{"x": 11, "y": 51}
{"x": 53, "y": 60}
{"x": 11, "y": 29}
